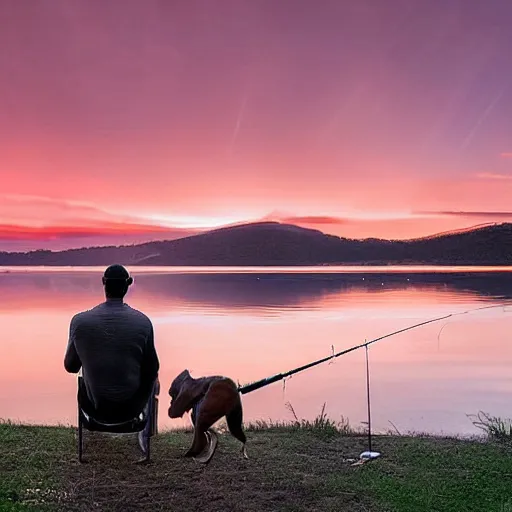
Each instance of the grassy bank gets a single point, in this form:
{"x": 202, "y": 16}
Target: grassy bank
{"x": 290, "y": 469}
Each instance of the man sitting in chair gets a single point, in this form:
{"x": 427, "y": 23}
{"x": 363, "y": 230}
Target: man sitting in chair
{"x": 113, "y": 344}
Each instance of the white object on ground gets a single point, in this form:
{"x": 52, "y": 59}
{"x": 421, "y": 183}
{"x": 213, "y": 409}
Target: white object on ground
{"x": 369, "y": 455}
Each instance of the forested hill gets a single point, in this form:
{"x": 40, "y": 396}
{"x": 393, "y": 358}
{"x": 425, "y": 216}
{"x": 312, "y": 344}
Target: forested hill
{"x": 272, "y": 243}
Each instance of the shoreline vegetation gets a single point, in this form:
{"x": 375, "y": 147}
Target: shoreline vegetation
{"x": 293, "y": 466}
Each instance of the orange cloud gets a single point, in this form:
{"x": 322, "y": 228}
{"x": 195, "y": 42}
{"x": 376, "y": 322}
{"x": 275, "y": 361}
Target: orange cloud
{"x": 506, "y": 155}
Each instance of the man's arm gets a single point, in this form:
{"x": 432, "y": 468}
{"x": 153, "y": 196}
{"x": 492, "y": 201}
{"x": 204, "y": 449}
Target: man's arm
{"x": 150, "y": 363}
{"x": 72, "y": 362}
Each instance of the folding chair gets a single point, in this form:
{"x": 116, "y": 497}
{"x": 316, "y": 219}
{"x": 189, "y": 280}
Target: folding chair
{"x": 133, "y": 426}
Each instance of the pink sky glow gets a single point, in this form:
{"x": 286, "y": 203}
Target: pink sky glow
{"x": 156, "y": 120}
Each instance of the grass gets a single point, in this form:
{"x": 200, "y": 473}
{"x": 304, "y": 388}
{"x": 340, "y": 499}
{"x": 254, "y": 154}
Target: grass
{"x": 296, "y": 466}
{"x": 322, "y": 426}
{"x": 496, "y": 428}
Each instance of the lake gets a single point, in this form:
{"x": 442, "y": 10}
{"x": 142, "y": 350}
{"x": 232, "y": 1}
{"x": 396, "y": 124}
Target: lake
{"x": 252, "y": 323}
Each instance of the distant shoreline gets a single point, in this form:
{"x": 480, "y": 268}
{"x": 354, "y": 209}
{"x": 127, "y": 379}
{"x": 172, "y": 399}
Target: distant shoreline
{"x": 269, "y": 269}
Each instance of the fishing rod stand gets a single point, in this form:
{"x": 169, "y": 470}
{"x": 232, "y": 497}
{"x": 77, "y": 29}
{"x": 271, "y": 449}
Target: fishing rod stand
{"x": 369, "y": 454}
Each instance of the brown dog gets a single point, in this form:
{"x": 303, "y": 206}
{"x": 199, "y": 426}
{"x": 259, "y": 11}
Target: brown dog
{"x": 209, "y": 398}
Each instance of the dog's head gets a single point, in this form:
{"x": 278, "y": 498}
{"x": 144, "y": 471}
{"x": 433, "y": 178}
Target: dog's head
{"x": 178, "y": 383}
{"x": 184, "y": 391}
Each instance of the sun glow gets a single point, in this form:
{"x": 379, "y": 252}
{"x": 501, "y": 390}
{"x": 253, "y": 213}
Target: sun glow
{"x": 193, "y": 221}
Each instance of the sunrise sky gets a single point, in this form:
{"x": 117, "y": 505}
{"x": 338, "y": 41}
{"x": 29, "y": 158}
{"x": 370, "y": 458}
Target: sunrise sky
{"x": 132, "y": 120}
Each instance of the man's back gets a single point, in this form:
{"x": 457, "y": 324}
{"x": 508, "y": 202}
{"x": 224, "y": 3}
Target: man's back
{"x": 114, "y": 345}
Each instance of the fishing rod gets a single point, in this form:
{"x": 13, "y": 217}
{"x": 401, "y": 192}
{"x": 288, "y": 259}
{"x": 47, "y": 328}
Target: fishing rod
{"x": 280, "y": 376}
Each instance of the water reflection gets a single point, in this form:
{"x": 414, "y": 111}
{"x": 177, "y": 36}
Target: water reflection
{"x": 249, "y": 326}
{"x": 248, "y": 291}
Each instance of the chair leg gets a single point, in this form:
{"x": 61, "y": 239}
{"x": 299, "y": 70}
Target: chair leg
{"x": 150, "y": 428}
{"x": 148, "y": 431}
{"x": 154, "y": 417}
{"x": 80, "y": 439}
{"x": 80, "y": 423}
{"x": 145, "y": 438}
{"x": 146, "y": 434}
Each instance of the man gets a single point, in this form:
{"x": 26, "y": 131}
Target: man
{"x": 113, "y": 344}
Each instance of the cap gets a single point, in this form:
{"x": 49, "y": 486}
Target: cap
{"x": 117, "y": 272}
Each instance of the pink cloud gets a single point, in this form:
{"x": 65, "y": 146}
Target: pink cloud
{"x": 17, "y": 232}
{"x": 313, "y": 219}
{"x": 35, "y": 222}
{"x": 30, "y": 210}
{"x": 501, "y": 215}
{"x": 494, "y": 176}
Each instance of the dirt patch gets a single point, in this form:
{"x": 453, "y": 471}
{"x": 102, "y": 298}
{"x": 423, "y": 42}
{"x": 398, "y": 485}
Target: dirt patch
{"x": 282, "y": 473}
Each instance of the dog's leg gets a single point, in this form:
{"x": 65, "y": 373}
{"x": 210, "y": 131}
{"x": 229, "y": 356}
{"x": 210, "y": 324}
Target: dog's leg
{"x": 200, "y": 439}
{"x": 199, "y": 443}
{"x": 206, "y": 456}
{"x": 203, "y": 420}
{"x": 204, "y": 436}
{"x": 234, "y": 421}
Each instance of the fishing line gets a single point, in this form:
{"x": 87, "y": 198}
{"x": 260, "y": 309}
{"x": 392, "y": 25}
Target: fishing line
{"x": 439, "y": 336}
{"x": 275, "y": 378}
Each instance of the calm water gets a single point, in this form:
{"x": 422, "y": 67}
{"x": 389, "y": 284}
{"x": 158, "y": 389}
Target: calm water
{"x": 251, "y": 324}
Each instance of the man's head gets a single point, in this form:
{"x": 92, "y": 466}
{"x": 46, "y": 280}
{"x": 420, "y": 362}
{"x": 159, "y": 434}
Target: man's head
{"x": 116, "y": 281}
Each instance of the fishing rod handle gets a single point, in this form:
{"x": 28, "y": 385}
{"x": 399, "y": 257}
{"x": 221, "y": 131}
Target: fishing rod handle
{"x": 259, "y": 384}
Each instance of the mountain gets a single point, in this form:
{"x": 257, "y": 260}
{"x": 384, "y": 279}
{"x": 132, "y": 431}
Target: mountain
{"x": 272, "y": 243}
